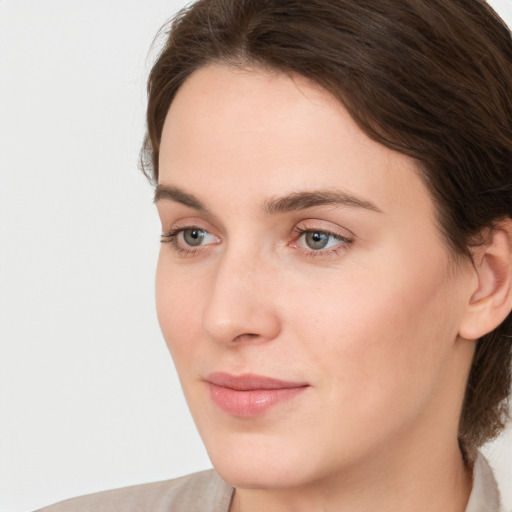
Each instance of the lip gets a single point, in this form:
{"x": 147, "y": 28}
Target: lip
{"x": 249, "y": 395}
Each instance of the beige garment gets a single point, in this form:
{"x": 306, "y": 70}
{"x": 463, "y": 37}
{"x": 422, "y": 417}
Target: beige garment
{"x": 206, "y": 492}
{"x": 485, "y": 496}
{"x": 199, "y": 492}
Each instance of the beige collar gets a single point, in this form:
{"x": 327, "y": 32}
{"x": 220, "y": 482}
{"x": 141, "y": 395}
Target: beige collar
{"x": 485, "y": 496}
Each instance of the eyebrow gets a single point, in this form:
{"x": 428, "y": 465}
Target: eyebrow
{"x": 303, "y": 200}
{"x": 179, "y": 196}
{"x": 295, "y": 201}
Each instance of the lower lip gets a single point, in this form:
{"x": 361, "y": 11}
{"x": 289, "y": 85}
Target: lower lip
{"x": 251, "y": 403}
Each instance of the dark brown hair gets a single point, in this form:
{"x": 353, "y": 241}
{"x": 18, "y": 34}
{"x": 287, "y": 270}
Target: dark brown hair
{"x": 429, "y": 78}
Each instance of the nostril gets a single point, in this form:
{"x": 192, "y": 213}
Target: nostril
{"x": 246, "y": 337}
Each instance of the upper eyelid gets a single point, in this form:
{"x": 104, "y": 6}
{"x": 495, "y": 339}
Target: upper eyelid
{"x": 169, "y": 210}
{"x": 320, "y": 225}
{"x": 192, "y": 223}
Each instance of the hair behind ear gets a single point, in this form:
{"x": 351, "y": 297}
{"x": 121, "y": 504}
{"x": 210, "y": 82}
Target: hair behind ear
{"x": 486, "y": 402}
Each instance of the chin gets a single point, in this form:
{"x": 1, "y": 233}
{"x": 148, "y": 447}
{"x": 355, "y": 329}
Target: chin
{"x": 260, "y": 462}
{"x": 250, "y": 474}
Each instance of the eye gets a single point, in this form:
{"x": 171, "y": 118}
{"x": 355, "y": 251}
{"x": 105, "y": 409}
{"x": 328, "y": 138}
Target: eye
{"x": 317, "y": 242}
{"x": 189, "y": 239}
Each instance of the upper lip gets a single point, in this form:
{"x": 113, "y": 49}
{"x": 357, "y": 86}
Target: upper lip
{"x": 250, "y": 381}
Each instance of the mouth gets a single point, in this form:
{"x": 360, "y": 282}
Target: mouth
{"x": 249, "y": 395}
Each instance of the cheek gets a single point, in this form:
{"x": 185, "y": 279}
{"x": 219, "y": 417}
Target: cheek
{"x": 178, "y": 303}
{"x": 382, "y": 343}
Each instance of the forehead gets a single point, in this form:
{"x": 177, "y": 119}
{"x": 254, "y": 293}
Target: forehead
{"x": 246, "y": 132}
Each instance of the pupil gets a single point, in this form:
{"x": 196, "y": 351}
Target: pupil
{"x": 317, "y": 240}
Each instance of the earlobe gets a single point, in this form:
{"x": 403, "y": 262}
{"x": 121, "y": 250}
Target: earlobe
{"x": 491, "y": 301}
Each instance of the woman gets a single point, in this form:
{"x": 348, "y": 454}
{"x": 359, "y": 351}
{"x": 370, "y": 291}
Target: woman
{"x": 334, "y": 184}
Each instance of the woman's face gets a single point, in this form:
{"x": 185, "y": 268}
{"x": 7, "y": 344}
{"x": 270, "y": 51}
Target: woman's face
{"x": 303, "y": 288}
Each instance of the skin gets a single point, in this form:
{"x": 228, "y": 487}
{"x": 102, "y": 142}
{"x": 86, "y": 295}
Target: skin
{"x": 371, "y": 322}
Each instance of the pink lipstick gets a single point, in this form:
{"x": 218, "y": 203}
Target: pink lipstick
{"x": 250, "y": 395}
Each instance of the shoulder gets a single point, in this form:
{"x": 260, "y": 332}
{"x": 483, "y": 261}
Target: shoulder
{"x": 204, "y": 491}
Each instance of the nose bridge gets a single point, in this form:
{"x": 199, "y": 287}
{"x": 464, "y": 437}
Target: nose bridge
{"x": 240, "y": 302}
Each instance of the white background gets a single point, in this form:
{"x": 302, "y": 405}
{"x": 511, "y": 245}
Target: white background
{"x": 88, "y": 395}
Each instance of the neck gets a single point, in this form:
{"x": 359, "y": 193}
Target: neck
{"x": 433, "y": 481}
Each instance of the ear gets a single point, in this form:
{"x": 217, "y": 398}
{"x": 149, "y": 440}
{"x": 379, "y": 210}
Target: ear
{"x": 491, "y": 299}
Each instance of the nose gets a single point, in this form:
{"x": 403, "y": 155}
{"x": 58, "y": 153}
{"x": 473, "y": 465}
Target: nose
{"x": 240, "y": 306}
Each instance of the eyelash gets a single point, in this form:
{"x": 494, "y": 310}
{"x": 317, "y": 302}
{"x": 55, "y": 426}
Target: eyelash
{"x": 344, "y": 242}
